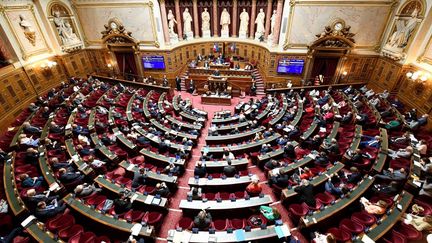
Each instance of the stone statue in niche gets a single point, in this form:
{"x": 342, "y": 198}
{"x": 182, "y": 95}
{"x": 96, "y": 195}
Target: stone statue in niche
{"x": 259, "y": 21}
{"x": 187, "y": 24}
{"x": 27, "y": 27}
{"x": 171, "y": 23}
{"x": 404, "y": 29}
{"x": 65, "y": 30}
{"x": 244, "y": 23}
{"x": 273, "y": 22}
{"x": 225, "y": 21}
{"x": 205, "y": 23}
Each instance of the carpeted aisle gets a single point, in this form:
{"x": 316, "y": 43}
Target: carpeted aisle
{"x": 174, "y": 213}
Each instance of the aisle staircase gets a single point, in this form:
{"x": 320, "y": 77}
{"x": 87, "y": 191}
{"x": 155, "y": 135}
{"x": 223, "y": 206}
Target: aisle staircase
{"x": 259, "y": 81}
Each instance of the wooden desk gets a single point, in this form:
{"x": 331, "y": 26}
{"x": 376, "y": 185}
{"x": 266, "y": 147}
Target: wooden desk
{"x": 183, "y": 124}
{"x": 145, "y": 104}
{"x": 165, "y": 129}
{"x": 218, "y": 165}
{"x": 213, "y": 205}
{"x": 339, "y": 205}
{"x": 234, "y": 137}
{"x": 124, "y": 140}
{"x": 46, "y": 169}
{"x": 79, "y": 163}
{"x": 68, "y": 127}
{"x": 281, "y": 113}
{"x": 230, "y": 119}
{"x": 382, "y": 154}
{"x": 255, "y": 235}
{"x": 14, "y": 143}
{"x": 46, "y": 128}
{"x": 244, "y": 147}
{"x": 157, "y": 88}
{"x": 37, "y": 231}
{"x": 300, "y": 163}
{"x": 107, "y": 220}
{"x": 319, "y": 87}
{"x": 16, "y": 204}
{"x": 161, "y": 158}
{"x": 219, "y": 182}
{"x": 388, "y": 221}
{"x": 91, "y": 120}
{"x": 150, "y": 174}
{"x": 215, "y": 100}
{"x": 355, "y": 142}
{"x": 315, "y": 181}
{"x": 117, "y": 189}
{"x": 102, "y": 148}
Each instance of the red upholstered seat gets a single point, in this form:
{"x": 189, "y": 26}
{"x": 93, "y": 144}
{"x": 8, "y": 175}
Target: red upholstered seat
{"x": 298, "y": 210}
{"x": 185, "y": 223}
{"x": 394, "y": 237}
{"x": 409, "y": 232}
{"x": 325, "y": 198}
{"x": 96, "y": 200}
{"x": 60, "y": 222}
{"x": 101, "y": 239}
{"x": 237, "y": 223}
{"x": 339, "y": 234}
{"x": 86, "y": 237}
{"x": 363, "y": 218}
{"x": 21, "y": 239}
{"x": 153, "y": 218}
{"x": 209, "y": 196}
{"x": 134, "y": 215}
{"x": 351, "y": 226}
{"x": 220, "y": 224}
{"x": 68, "y": 233}
{"x": 224, "y": 195}
{"x": 427, "y": 207}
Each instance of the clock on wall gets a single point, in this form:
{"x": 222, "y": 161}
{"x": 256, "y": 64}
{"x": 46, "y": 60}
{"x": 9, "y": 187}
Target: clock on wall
{"x": 338, "y": 25}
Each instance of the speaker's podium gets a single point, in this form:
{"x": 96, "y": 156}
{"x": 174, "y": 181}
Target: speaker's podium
{"x": 216, "y": 91}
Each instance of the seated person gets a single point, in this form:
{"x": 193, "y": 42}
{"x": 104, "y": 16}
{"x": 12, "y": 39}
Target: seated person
{"x": 45, "y": 211}
{"x": 27, "y": 181}
{"x": 289, "y": 151}
{"x": 85, "y": 189}
{"x": 271, "y": 164}
{"x": 229, "y": 170}
{"x": 393, "y": 175}
{"x": 305, "y": 193}
{"x": 29, "y": 141}
{"x": 31, "y": 129}
{"x": 387, "y": 189}
{"x": 321, "y": 238}
{"x": 228, "y": 155}
{"x": 372, "y": 142}
{"x": 33, "y": 198}
{"x": 56, "y": 164}
{"x": 54, "y": 128}
{"x": 202, "y": 220}
{"x": 392, "y": 125}
{"x": 377, "y": 208}
{"x": 139, "y": 178}
{"x": 69, "y": 177}
{"x": 195, "y": 193}
{"x": 254, "y": 188}
{"x": 418, "y": 222}
{"x": 401, "y": 153}
{"x": 335, "y": 190}
{"x": 353, "y": 176}
{"x": 162, "y": 189}
{"x": 280, "y": 180}
{"x": 122, "y": 204}
{"x": 200, "y": 170}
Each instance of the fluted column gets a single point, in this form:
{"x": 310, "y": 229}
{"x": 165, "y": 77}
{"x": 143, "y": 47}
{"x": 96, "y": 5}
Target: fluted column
{"x": 179, "y": 19}
{"x": 252, "y": 20}
{"x": 215, "y": 19}
{"x": 196, "y": 19}
{"x": 268, "y": 19}
{"x": 164, "y": 22}
{"x": 235, "y": 19}
{"x": 278, "y": 22}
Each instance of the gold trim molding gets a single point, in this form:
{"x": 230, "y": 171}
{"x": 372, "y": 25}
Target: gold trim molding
{"x": 13, "y": 8}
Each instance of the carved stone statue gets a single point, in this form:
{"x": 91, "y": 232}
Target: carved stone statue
{"x": 27, "y": 27}
{"x": 244, "y": 22}
{"x": 402, "y": 34}
{"x": 171, "y": 23}
{"x": 205, "y": 19}
{"x": 259, "y": 21}
{"x": 273, "y": 22}
{"x": 64, "y": 30}
{"x": 187, "y": 22}
{"x": 225, "y": 20}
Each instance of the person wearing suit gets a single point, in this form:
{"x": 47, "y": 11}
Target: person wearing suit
{"x": 68, "y": 177}
{"x": 45, "y": 211}
{"x": 122, "y": 204}
{"x": 202, "y": 220}
{"x": 229, "y": 170}
{"x": 305, "y": 192}
{"x": 139, "y": 178}
{"x": 27, "y": 181}
{"x": 31, "y": 129}
{"x": 84, "y": 190}
{"x": 200, "y": 170}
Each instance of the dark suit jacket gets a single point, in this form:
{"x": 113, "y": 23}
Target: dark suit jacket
{"x": 306, "y": 194}
{"x": 229, "y": 170}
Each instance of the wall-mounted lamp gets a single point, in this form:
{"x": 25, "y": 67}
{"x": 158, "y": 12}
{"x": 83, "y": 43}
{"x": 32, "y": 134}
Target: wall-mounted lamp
{"x": 48, "y": 65}
{"x": 418, "y": 76}
{"x": 344, "y": 73}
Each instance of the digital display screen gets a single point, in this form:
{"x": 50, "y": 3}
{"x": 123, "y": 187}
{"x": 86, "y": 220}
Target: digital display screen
{"x": 290, "y": 66}
{"x": 153, "y": 62}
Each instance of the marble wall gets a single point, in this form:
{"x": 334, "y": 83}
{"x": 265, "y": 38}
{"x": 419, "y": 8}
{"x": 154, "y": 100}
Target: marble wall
{"x": 136, "y": 16}
{"x": 367, "y": 20}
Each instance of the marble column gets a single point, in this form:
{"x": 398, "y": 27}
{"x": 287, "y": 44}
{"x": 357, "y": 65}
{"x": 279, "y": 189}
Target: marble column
{"x": 215, "y": 19}
{"x": 179, "y": 19}
{"x": 278, "y": 22}
{"x": 268, "y": 18}
{"x": 234, "y": 19}
{"x": 252, "y": 20}
{"x": 164, "y": 22}
{"x": 196, "y": 19}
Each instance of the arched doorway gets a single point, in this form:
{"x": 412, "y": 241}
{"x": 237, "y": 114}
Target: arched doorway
{"x": 328, "y": 53}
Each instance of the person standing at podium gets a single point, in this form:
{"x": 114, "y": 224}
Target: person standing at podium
{"x": 178, "y": 83}
{"x": 165, "y": 82}
{"x": 253, "y": 89}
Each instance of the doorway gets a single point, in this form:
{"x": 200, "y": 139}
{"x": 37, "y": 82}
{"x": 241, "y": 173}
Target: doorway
{"x": 325, "y": 66}
{"x": 126, "y": 64}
